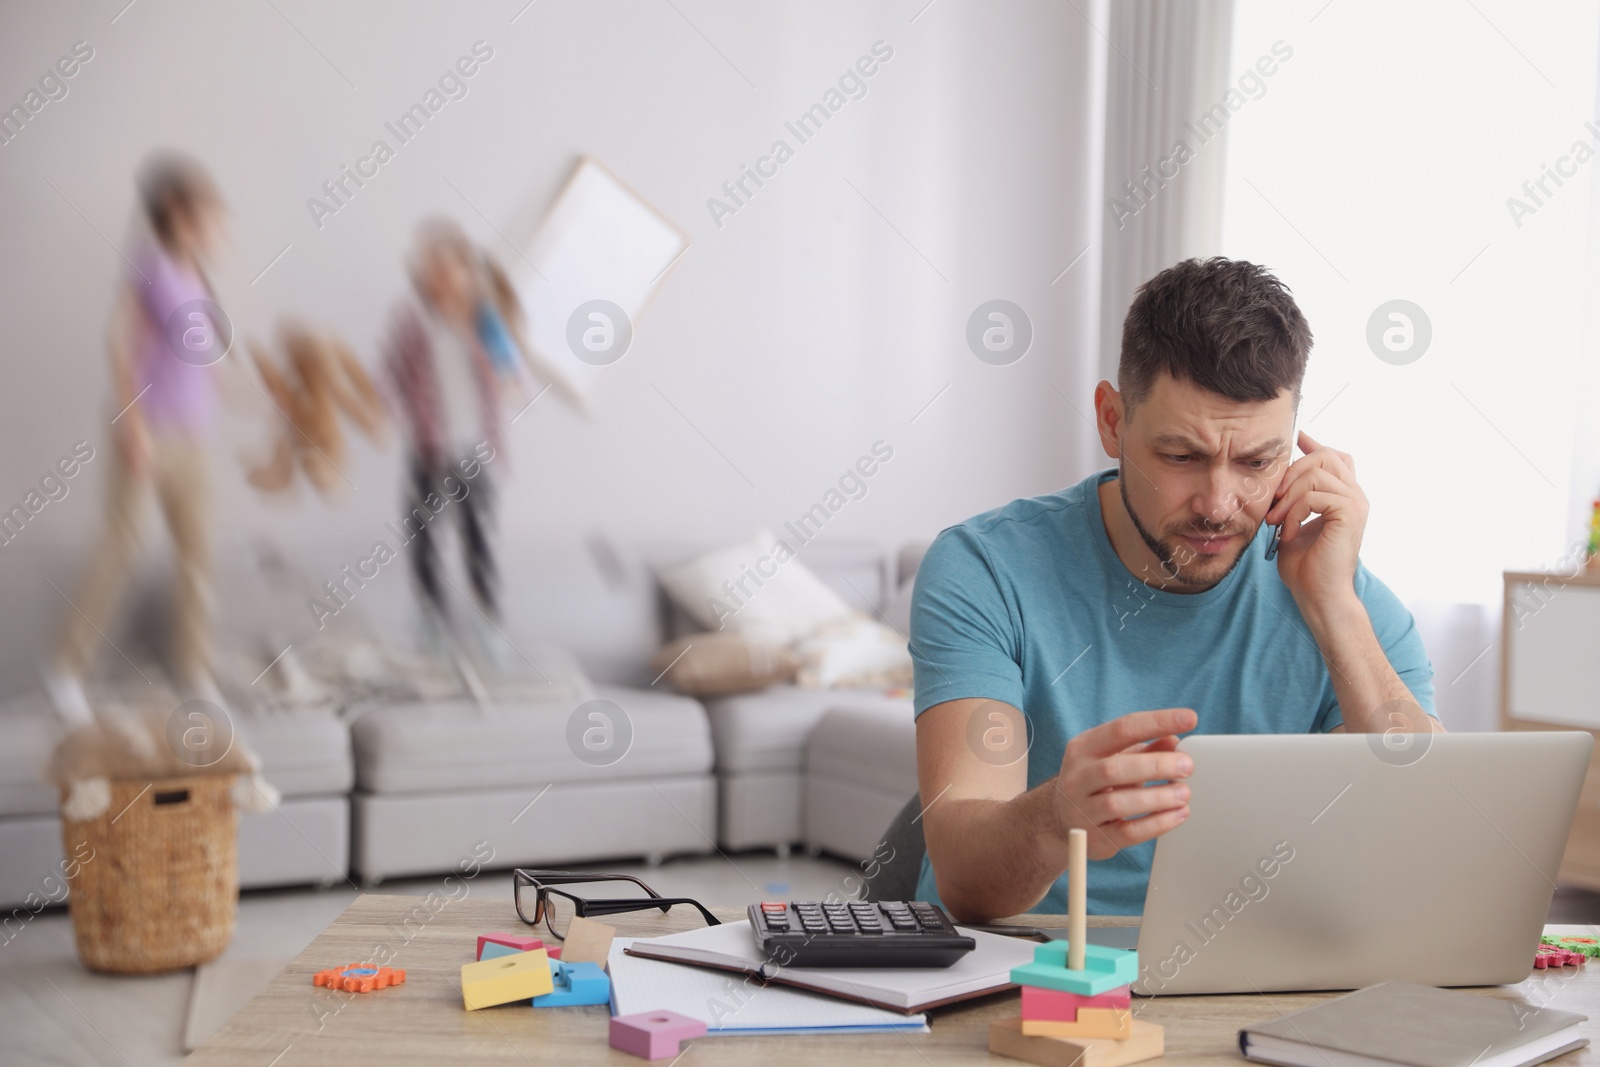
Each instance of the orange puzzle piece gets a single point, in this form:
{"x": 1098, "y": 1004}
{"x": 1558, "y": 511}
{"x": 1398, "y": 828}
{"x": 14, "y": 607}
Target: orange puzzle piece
{"x": 358, "y": 977}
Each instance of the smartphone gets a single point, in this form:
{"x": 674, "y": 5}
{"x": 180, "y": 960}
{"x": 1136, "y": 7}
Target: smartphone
{"x": 1272, "y": 544}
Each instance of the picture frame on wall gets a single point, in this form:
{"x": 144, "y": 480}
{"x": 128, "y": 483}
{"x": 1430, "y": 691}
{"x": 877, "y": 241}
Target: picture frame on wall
{"x": 587, "y": 277}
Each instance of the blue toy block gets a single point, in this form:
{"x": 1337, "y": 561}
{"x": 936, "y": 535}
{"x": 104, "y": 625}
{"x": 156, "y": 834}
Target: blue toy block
{"x": 493, "y": 949}
{"x": 575, "y": 983}
{"x": 1104, "y": 969}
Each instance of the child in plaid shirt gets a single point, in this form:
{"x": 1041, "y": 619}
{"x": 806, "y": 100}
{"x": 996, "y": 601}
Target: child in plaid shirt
{"x": 449, "y": 385}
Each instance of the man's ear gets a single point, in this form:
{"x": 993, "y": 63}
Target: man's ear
{"x": 1109, "y": 416}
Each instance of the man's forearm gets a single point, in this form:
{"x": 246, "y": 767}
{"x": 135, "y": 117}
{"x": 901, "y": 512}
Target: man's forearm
{"x": 1371, "y": 696}
{"x": 997, "y": 858}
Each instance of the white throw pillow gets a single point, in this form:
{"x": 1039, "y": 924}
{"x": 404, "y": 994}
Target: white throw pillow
{"x": 756, "y": 587}
{"x": 856, "y": 652}
{"x": 898, "y": 613}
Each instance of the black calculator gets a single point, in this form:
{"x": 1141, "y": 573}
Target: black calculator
{"x": 857, "y": 933}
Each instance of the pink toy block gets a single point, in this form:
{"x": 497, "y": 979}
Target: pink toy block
{"x": 654, "y": 1035}
{"x": 1547, "y": 956}
{"x": 513, "y": 941}
{"x": 1049, "y": 1005}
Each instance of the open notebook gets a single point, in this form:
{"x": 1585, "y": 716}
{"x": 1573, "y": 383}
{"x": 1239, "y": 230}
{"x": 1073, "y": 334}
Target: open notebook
{"x": 730, "y": 947}
{"x": 730, "y": 1006}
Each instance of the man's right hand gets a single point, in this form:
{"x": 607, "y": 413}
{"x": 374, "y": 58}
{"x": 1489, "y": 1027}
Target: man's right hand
{"x": 998, "y": 846}
{"x": 1101, "y": 786}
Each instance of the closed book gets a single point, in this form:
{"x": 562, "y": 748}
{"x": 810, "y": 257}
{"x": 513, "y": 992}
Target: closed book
{"x": 1414, "y": 1026}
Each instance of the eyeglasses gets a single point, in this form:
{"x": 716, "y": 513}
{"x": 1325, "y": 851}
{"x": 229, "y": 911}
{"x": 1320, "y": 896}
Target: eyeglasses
{"x": 557, "y": 907}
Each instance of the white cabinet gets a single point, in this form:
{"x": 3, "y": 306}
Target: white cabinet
{"x": 1550, "y": 679}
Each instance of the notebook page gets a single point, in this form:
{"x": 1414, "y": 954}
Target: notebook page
{"x": 987, "y": 966}
{"x": 729, "y": 1005}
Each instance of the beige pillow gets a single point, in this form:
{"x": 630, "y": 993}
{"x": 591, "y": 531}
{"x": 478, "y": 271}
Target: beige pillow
{"x": 722, "y": 664}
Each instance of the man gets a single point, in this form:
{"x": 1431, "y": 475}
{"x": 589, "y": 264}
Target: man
{"x": 1062, "y": 643}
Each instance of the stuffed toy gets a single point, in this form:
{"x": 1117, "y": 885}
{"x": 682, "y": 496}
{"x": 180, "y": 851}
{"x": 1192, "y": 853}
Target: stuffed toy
{"x": 321, "y": 379}
{"x": 125, "y": 744}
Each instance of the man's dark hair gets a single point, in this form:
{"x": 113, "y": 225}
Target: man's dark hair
{"x": 1226, "y": 325}
{"x": 170, "y": 186}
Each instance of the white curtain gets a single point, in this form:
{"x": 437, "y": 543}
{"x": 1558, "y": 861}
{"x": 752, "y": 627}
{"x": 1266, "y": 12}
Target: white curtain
{"x": 1167, "y": 67}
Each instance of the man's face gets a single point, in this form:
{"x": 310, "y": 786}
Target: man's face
{"x": 1198, "y": 472}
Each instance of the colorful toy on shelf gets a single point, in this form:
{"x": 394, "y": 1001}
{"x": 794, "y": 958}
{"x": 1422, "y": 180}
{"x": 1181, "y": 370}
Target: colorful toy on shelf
{"x": 1584, "y": 946}
{"x": 1077, "y": 1009}
{"x": 1546, "y": 956}
{"x": 1594, "y": 537}
{"x": 505, "y": 979}
{"x": 359, "y": 977}
{"x": 654, "y": 1035}
{"x": 505, "y": 944}
{"x": 576, "y": 984}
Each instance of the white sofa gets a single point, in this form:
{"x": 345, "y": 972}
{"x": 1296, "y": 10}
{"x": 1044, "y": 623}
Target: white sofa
{"x": 413, "y": 788}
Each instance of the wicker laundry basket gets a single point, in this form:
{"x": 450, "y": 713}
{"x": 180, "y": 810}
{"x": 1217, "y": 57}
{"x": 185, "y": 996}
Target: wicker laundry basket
{"x": 160, "y": 887}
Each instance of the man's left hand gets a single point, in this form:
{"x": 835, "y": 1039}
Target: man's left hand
{"x": 1317, "y": 558}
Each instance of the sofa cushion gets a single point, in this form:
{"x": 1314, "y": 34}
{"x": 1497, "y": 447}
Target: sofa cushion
{"x": 451, "y": 747}
{"x": 722, "y": 664}
{"x": 857, "y": 570}
{"x": 303, "y": 753}
{"x": 767, "y": 731}
{"x": 872, "y": 745}
{"x": 28, "y": 734}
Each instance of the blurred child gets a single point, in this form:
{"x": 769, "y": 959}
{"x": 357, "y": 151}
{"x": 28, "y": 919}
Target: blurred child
{"x": 449, "y": 391}
{"x": 500, "y": 328}
{"x": 162, "y": 436}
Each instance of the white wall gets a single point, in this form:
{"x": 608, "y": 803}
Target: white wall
{"x": 791, "y": 338}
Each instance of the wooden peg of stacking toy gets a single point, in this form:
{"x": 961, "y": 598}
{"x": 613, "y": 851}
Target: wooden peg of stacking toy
{"x": 1077, "y": 896}
{"x": 1076, "y": 1002}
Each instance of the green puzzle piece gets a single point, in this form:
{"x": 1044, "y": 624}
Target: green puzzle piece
{"x": 1104, "y": 969}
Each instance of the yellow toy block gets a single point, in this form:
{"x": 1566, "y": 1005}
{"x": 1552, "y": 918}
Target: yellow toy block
{"x": 1115, "y": 1023}
{"x": 505, "y": 979}
{"x": 1007, "y": 1039}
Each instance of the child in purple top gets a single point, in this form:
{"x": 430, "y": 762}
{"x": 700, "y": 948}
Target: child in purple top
{"x": 166, "y": 334}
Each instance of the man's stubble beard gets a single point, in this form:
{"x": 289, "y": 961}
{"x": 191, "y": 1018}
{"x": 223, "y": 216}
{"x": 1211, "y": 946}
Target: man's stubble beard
{"x": 1169, "y": 555}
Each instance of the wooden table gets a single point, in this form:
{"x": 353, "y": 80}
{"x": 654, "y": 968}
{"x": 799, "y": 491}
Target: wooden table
{"x": 291, "y": 1023}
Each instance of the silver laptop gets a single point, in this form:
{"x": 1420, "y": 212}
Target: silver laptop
{"x": 1338, "y": 861}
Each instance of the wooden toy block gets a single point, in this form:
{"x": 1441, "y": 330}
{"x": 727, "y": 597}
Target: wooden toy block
{"x": 1114, "y": 1023}
{"x": 1104, "y": 969}
{"x": 1007, "y": 1039}
{"x": 504, "y": 979}
{"x": 575, "y": 983}
{"x": 1048, "y": 1004}
{"x": 587, "y": 941}
{"x": 491, "y": 949}
{"x": 654, "y": 1035}
{"x": 513, "y": 942}
{"x": 359, "y": 977}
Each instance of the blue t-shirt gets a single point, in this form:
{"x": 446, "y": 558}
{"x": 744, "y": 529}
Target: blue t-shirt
{"x": 1029, "y": 604}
